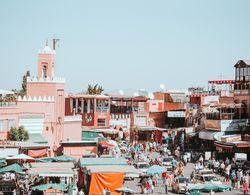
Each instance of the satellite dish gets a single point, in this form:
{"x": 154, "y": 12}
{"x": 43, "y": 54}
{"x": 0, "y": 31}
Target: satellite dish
{"x": 151, "y": 96}
{"x": 136, "y": 94}
{"x": 121, "y": 92}
{"x": 162, "y": 86}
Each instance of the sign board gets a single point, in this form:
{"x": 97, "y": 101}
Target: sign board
{"x": 233, "y": 125}
{"x": 208, "y": 155}
{"x": 212, "y": 124}
{"x": 241, "y": 156}
{"x": 232, "y": 138}
{"x": 176, "y": 114}
{"x": 211, "y": 99}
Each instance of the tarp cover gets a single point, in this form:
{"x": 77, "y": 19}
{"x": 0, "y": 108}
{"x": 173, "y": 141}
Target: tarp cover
{"x": 99, "y": 181}
{"x": 16, "y": 168}
{"x": 62, "y": 158}
{"x": 44, "y": 187}
{"x": 37, "y": 153}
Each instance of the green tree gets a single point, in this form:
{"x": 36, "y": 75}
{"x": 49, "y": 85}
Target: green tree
{"x": 23, "y": 90}
{"x": 94, "y": 90}
{"x": 18, "y": 134}
{"x": 13, "y": 135}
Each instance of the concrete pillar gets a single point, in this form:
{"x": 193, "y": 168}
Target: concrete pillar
{"x": 88, "y": 106}
{"x": 77, "y": 105}
{"x": 71, "y": 105}
{"x": 82, "y": 105}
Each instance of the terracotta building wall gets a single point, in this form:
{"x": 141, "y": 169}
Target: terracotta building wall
{"x": 157, "y": 119}
{"x": 173, "y": 106}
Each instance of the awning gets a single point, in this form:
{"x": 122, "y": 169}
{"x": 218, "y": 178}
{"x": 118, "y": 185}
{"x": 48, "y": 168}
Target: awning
{"x": 20, "y": 157}
{"x": 56, "y": 186}
{"x": 150, "y": 128}
{"x": 88, "y": 135}
{"x": 37, "y": 138}
{"x": 102, "y": 161}
{"x": 52, "y": 169}
{"x": 106, "y": 144}
{"x": 219, "y": 145}
{"x": 207, "y": 135}
{"x": 107, "y": 131}
{"x": 56, "y": 174}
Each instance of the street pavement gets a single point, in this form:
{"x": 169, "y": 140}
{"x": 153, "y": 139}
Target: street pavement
{"x": 159, "y": 189}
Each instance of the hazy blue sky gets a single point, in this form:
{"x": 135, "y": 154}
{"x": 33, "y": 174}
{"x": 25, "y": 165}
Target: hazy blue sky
{"x": 126, "y": 44}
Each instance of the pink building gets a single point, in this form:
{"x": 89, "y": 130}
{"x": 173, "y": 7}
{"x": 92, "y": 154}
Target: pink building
{"x": 42, "y": 110}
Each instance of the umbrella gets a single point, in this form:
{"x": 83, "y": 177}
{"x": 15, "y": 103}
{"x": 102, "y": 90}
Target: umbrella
{"x": 210, "y": 187}
{"x": 125, "y": 189}
{"x": 155, "y": 169}
{"x": 16, "y": 168}
{"x": 20, "y": 157}
{"x": 62, "y": 158}
{"x": 60, "y": 186}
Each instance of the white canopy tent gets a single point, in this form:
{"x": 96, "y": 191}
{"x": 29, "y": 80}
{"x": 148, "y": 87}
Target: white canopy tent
{"x": 20, "y": 157}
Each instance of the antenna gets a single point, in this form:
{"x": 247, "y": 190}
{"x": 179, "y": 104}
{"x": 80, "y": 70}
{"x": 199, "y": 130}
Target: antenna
{"x": 54, "y": 41}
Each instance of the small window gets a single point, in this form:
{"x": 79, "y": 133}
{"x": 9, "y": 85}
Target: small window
{"x": 45, "y": 71}
{"x": 11, "y": 123}
{"x": 101, "y": 122}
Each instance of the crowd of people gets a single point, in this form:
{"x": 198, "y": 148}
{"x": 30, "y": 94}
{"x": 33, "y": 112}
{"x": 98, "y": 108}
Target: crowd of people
{"x": 227, "y": 169}
{"x": 237, "y": 175}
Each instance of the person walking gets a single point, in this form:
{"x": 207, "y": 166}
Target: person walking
{"x": 245, "y": 186}
{"x": 165, "y": 183}
{"x": 151, "y": 186}
{"x": 233, "y": 178}
{"x": 239, "y": 178}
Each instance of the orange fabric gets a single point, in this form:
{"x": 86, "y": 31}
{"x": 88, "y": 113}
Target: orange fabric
{"x": 99, "y": 181}
{"x": 37, "y": 153}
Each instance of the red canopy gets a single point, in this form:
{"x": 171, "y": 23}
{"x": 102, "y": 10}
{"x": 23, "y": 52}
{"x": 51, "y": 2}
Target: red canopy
{"x": 105, "y": 144}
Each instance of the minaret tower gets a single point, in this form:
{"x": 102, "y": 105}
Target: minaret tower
{"x": 46, "y": 63}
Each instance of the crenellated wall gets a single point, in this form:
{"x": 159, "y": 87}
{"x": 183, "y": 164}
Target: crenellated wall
{"x": 47, "y": 80}
{"x": 36, "y": 99}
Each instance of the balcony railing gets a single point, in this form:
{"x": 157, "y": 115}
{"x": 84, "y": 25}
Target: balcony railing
{"x": 241, "y": 92}
{"x": 8, "y": 104}
{"x": 102, "y": 109}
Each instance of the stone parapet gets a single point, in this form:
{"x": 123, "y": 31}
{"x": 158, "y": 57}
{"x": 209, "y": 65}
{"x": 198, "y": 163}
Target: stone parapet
{"x": 36, "y": 99}
{"x": 46, "y": 80}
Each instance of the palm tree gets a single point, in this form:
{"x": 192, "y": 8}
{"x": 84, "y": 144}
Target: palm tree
{"x": 94, "y": 90}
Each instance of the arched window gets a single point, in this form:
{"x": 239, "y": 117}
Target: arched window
{"x": 45, "y": 69}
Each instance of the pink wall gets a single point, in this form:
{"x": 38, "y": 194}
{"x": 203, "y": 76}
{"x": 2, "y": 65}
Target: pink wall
{"x": 72, "y": 131}
{"x": 78, "y": 151}
{"x": 45, "y": 88}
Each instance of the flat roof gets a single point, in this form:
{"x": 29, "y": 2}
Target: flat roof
{"x": 52, "y": 169}
{"x": 113, "y": 169}
{"x": 89, "y": 96}
{"x": 102, "y": 161}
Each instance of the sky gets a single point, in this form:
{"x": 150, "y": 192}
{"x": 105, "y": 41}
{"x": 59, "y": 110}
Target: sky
{"x": 132, "y": 44}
